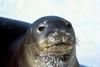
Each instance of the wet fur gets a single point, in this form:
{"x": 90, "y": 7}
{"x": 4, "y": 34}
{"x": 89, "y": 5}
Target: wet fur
{"x": 29, "y": 53}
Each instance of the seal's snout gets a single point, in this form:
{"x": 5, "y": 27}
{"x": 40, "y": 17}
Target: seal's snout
{"x": 58, "y": 33}
{"x": 58, "y": 36}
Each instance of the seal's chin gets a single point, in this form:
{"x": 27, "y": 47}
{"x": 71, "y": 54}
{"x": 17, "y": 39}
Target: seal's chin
{"x": 49, "y": 56}
{"x": 55, "y": 60}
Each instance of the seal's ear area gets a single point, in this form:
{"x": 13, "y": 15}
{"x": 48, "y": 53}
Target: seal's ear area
{"x": 28, "y": 36}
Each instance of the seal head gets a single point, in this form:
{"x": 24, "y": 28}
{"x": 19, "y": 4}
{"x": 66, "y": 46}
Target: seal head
{"x": 50, "y": 42}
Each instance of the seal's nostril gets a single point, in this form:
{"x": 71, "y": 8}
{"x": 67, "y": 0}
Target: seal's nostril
{"x": 41, "y": 28}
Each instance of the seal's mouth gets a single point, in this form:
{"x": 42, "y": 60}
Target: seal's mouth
{"x": 61, "y": 50}
{"x": 58, "y": 44}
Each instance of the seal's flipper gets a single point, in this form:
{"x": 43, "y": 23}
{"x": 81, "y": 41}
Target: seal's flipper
{"x": 10, "y": 30}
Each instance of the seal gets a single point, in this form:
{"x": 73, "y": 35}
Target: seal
{"x": 49, "y": 42}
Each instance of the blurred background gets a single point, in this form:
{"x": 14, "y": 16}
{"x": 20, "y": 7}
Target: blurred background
{"x": 83, "y": 14}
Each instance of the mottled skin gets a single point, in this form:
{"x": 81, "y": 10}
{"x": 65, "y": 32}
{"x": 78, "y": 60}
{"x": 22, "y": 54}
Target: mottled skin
{"x": 49, "y": 42}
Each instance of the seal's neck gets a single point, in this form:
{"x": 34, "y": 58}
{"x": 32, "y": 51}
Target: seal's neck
{"x": 52, "y": 61}
{"x": 48, "y": 61}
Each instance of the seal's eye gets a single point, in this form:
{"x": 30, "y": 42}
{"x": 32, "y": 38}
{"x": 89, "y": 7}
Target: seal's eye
{"x": 41, "y": 28}
{"x": 69, "y": 25}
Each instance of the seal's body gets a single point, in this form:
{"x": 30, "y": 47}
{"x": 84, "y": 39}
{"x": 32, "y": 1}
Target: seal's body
{"x": 49, "y": 42}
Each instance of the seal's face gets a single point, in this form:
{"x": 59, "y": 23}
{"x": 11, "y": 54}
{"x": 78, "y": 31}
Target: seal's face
{"x": 53, "y": 42}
